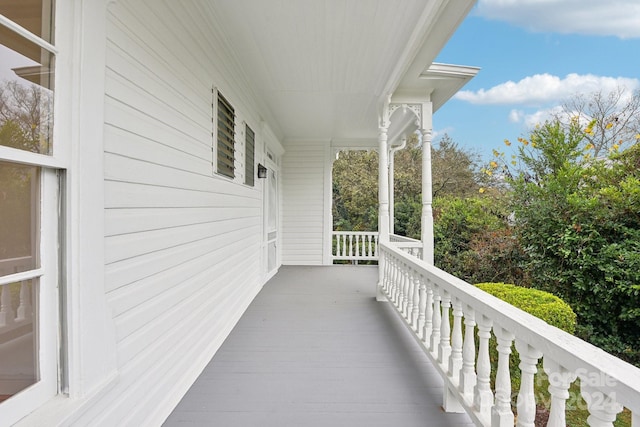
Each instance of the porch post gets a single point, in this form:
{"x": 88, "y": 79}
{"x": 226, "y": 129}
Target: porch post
{"x": 383, "y": 183}
{"x": 427, "y": 191}
{"x": 391, "y": 191}
{"x": 383, "y": 198}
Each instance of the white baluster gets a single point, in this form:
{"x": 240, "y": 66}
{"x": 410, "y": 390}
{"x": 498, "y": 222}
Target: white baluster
{"x": 483, "y": 398}
{"x": 415, "y": 310}
{"x": 559, "y": 381}
{"x": 358, "y": 251}
{"x": 405, "y": 292}
{"x": 397, "y": 282}
{"x": 409, "y": 295}
{"x": 384, "y": 264}
{"x": 406, "y": 311}
{"x": 436, "y": 324}
{"x": 428, "y": 315}
{"x": 406, "y": 285}
{"x": 422, "y": 307}
{"x": 337, "y": 253}
{"x": 7, "y": 316}
{"x": 526, "y": 397}
{"x": 455, "y": 361}
{"x": 369, "y": 251}
{"x": 445, "y": 331}
{"x": 468, "y": 372}
{"x": 392, "y": 278}
{"x": 402, "y": 281}
{"x": 375, "y": 246}
{"x": 344, "y": 245}
{"x": 25, "y": 310}
{"x": 350, "y": 245}
{"x": 501, "y": 414}
{"x": 603, "y": 408}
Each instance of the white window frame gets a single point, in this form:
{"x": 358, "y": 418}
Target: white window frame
{"x": 46, "y": 274}
{"x": 89, "y": 350}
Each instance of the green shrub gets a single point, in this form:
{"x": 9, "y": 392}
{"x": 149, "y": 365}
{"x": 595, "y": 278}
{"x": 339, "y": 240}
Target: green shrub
{"x": 541, "y": 304}
{"x": 474, "y": 241}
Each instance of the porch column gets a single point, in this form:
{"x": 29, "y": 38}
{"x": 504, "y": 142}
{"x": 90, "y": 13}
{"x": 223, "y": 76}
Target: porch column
{"x": 391, "y": 193}
{"x": 427, "y": 191}
{"x": 383, "y": 183}
{"x": 383, "y": 201}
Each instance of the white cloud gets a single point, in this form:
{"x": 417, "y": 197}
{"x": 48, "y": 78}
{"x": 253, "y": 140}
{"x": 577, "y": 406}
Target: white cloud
{"x": 545, "y": 88}
{"x": 541, "y": 116}
{"x": 515, "y": 116}
{"x": 439, "y": 133}
{"x": 620, "y": 18}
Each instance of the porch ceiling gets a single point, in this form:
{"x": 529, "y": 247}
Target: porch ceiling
{"x": 323, "y": 68}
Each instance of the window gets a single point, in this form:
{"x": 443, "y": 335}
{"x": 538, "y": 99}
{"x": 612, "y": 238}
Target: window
{"x": 226, "y": 138}
{"x": 249, "y": 156}
{"x": 28, "y": 206}
{"x": 26, "y": 79}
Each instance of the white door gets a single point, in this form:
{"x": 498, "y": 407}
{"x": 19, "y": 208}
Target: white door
{"x": 271, "y": 213}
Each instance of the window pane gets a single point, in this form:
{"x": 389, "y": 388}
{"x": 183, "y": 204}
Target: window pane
{"x": 26, "y": 94}
{"x": 19, "y": 213}
{"x": 34, "y": 15}
{"x": 18, "y": 349}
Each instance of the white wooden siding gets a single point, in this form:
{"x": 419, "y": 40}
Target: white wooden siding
{"x": 182, "y": 244}
{"x": 303, "y": 169}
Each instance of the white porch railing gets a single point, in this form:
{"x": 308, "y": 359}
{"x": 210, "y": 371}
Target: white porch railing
{"x": 427, "y": 298}
{"x": 16, "y": 311}
{"x": 16, "y": 325}
{"x": 407, "y": 244}
{"x": 355, "y": 245}
{"x": 15, "y": 299}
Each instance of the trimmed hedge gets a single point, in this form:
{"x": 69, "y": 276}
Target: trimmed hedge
{"x": 541, "y": 304}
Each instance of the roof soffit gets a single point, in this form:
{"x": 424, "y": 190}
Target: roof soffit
{"x": 322, "y": 67}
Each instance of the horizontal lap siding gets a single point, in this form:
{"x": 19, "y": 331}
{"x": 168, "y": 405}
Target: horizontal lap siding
{"x": 303, "y": 202}
{"x": 182, "y": 245}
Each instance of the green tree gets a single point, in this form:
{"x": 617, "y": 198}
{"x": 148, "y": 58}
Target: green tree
{"x": 26, "y": 116}
{"x": 610, "y": 119}
{"x": 355, "y": 183}
{"x": 474, "y": 241}
{"x": 454, "y": 173}
{"x": 577, "y": 219}
{"x": 355, "y": 191}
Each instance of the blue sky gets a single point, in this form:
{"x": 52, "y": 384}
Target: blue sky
{"x": 534, "y": 54}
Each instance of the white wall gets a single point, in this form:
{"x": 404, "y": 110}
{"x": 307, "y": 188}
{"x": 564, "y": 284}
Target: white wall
{"x": 182, "y": 245}
{"x": 304, "y": 169}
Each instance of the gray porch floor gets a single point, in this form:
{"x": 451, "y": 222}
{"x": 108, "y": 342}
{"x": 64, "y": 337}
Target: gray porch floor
{"x": 316, "y": 349}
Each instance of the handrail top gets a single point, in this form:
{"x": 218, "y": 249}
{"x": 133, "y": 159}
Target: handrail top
{"x": 572, "y": 353}
{"x": 402, "y": 239}
{"x": 407, "y": 244}
{"x": 355, "y": 233}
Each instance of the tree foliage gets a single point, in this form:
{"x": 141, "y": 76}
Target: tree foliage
{"x": 26, "y": 116}
{"x": 355, "y": 183}
{"x": 474, "y": 241}
{"x": 611, "y": 119}
{"x": 454, "y": 173}
{"x": 355, "y": 191}
{"x": 578, "y": 219}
